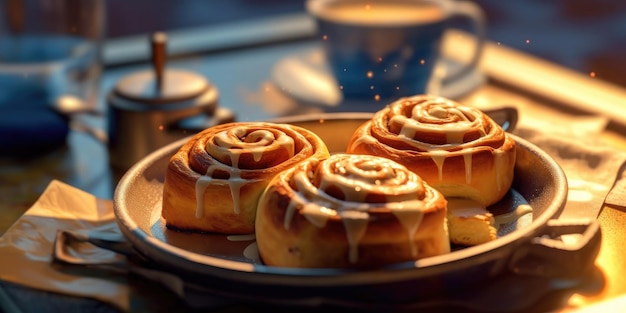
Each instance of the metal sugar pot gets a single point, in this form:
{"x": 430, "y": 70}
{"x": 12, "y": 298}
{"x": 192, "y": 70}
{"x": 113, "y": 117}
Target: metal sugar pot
{"x": 149, "y": 109}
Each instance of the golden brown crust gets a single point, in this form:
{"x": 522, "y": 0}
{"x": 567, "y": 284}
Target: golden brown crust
{"x": 309, "y": 217}
{"x": 457, "y": 149}
{"x": 228, "y": 166}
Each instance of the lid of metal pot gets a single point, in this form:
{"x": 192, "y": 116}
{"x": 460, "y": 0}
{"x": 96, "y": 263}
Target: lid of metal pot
{"x": 177, "y": 86}
{"x": 160, "y": 86}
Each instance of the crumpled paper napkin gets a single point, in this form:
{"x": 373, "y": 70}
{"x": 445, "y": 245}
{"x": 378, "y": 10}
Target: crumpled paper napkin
{"x": 26, "y": 259}
{"x": 594, "y": 171}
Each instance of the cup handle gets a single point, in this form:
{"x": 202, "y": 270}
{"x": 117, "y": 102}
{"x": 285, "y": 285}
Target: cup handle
{"x": 476, "y": 16}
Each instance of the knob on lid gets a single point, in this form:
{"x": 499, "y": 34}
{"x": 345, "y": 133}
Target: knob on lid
{"x": 159, "y": 85}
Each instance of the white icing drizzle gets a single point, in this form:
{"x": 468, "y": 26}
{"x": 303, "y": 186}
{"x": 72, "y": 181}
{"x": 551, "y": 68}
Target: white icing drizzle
{"x": 464, "y": 207}
{"x": 456, "y": 132}
{"x": 255, "y": 142}
{"x": 513, "y": 215}
{"x": 357, "y": 176}
{"x": 365, "y": 140}
{"x": 411, "y": 216}
{"x": 467, "y": 157}
{"x": 316, "y": 214}
{"x": 235, "y": 182}
{"x": 252, "y": 252}
{"x": 441, "y": 116}
{"x": 439, "y": 157}
{"x": 201, "y": 184}
{"x": 355, "y": 223}
{"x": 406, "y": 130}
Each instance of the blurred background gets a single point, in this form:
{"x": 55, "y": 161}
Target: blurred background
{"x": 588, "y": 36}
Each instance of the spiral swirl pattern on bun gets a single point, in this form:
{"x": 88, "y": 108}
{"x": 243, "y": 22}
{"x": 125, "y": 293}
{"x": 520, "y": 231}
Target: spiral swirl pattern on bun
{"x": 214, "y": 180}
{"x": 456, "y": 148}
{"x": 349, "y": 211}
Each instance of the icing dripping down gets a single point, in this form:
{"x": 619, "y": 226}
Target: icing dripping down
{"x": 235, "y": 183}
{"x": 373, "y": 175}
{"x": 236, "y": 142}
{"x": 439, "y": 157}
{"x": 411, "y": 219}
{"x": 356, "y": 225}
{"x": 467, "y": 157}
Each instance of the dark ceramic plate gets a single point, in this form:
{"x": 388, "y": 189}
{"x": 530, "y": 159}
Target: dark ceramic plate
{"x": 228, "y": 264}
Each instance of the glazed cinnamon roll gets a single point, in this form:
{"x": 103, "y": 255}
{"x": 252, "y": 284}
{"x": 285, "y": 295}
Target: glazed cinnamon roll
{"x": 213, "y": 182}
{"x": 457, "y": 149}
{"x": 349, "y": 211}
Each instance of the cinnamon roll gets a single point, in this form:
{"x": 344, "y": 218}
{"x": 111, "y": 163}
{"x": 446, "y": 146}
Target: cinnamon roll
{"x": 213, "y": 182}
{"x": 457, "y": 149}
{"x": 349, "y": 211}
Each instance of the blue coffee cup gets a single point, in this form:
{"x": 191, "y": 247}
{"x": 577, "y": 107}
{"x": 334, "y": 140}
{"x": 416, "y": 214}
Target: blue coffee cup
{"x": 386, "y": 49}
